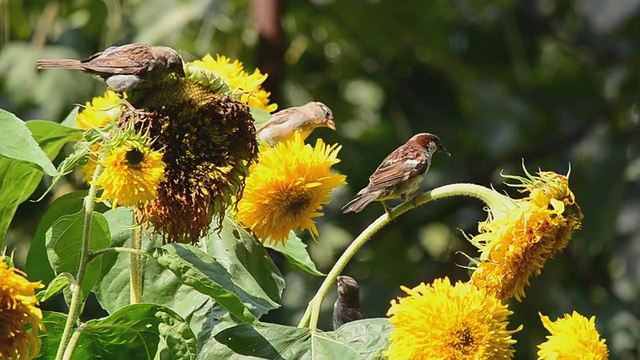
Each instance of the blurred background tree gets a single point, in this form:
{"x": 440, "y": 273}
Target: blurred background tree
{"x": 553, "y": 83}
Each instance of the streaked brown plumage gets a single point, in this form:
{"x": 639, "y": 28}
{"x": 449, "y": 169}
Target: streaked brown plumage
{"x": 125, "y": 67}
{"x": 347, "y": 306}
{"x": 400, "y": 174}
{"x": 283, "y": 124}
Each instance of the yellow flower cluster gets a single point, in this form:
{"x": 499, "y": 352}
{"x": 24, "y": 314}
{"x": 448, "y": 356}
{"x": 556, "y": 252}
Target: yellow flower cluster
{"x": 287, "y": 188}
{"x": 573, "y": 337}
{"x": 100, "y": 111}
{"x": 132, "y": 174}
{"x": 233, "y": 74}
{"x": 20, "y": 317}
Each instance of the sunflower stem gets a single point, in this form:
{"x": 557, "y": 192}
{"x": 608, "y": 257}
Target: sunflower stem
{"x": 135, "y": 271}
{"x": 76, "y": 288}
{"x": 497, "y": 202}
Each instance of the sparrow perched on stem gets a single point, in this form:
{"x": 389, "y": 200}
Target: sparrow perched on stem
{"x": 283, "y": 124}
{"x": 347, "y": 307}
{"x": 400, "y": 174}
{"x": 123, "y": 68}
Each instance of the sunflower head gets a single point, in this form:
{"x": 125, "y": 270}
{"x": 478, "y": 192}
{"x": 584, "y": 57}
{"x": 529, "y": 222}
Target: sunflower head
{"x": 445, "y": 321}
{"x": 572, "y": 337}
{"x": 208, "y": 139}
{"x": 100, "y": 111}
{"x": 20, "y": 317}
{"x": 515, "y": 246}
{"x": 287, "y": 188}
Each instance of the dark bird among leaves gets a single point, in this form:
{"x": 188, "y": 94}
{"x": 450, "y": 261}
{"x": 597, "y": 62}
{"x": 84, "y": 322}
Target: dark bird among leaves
{"x": 347, "y": 307}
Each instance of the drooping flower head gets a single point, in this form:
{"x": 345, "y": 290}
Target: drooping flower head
{"x": 573, "y": 337}
{"x": 233, "y": 74}
{"x": 20, "y": 318}
{"x": 132, "y": 174}
{"x": 444, "y": 321}
{"x": 515, "y": 245}
{"x": 208, "y": 139}
{"x": 287, "y": 188}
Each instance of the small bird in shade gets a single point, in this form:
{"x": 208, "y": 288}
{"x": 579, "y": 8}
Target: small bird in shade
{"x": 283, "y": 124}
{"x": 347, "y": 307}
{"x": 124, "y": 68}
{"x": 400, "y": 174}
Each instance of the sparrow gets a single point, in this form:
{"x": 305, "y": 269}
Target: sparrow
{"x": 400, "y": 174}
{"x": 123, "y": 68}
{"x": 347, "y": 306}
{"x": 283, "y": 124}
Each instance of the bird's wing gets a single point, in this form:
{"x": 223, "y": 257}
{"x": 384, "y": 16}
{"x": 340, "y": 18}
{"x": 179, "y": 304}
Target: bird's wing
{"x": 397, "y": 168}
{"x": 131, "y": 59}
{"x": 277, "y": 119}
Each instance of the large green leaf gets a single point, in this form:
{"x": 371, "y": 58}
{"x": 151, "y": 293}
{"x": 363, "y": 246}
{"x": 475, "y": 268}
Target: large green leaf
{"x": 135, "y": 332}
{"x": 20, "y": 178}
{"x": 246, "y": 263}
{"x": 64, "y": 205}
{"x": 245, "y": 259}
{"x": 203, "y": 273}
{"x": 361, "y": 340}
{"x": 296, "y": 252}
{"x": 64, "y": 243}
{"x": 16, "y": 142}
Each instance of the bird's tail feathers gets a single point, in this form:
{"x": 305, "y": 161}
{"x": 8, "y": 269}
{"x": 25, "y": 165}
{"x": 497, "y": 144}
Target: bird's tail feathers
{"x": 60, "y": 64}
{"x": 361, "y": 200}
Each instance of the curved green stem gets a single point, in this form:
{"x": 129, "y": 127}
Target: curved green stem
{"x": 76, "y": 295}
{"x": 95, "y": 254}
{"x": 497, "y": 202}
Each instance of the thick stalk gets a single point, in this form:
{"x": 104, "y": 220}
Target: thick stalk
{"x": 76, "y": 288}
{"x": 135, "y": 271}
{"x": 496, "y": 201}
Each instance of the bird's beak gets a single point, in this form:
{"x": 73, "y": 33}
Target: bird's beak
{"x": 441, "y": 148}
{"x": 331, "y": 125}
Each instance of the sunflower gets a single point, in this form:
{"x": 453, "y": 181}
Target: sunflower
{"x": 516, "y": 245}
{"x": 287, "y": 188}
{"x": 572, "y": 337}
{"x": 132, "y": 174}
{"x": 20, "y": 318}
{"x": 444, "y": 321}
{"x": 100, "y": 111}
{"x": 233, "y": 74}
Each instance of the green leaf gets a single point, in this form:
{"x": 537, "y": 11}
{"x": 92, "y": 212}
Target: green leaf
{"x": 54, "y": 326}
{"x": 135, "y": 332}
{"x": 260, "y": 116}
{"x": 296, "y": 252}
{"x": 21, "y": 178}
{"x": 16, "y": 142}
{"x": 64, "y": 243}
{"x": 363, "y": 339}
{"x": 60, "y": 282}
{"x": 67, "y": 204}
{"x": 245, "y": 258}
{"x": 202, "y": 272}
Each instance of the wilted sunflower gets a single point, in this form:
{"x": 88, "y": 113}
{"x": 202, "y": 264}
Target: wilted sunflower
{"x": 573, "y": 337}
{"x": 233, "y": 74}
{"x": 516, "y": 245}
{"x": 208, "y": 139}
{"x": 287, "y": 188}
{"x": 20, "y": 318}
{"x": 444, "y": 321}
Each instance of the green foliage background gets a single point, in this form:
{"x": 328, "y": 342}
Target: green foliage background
{"x": 499, "y": 81}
